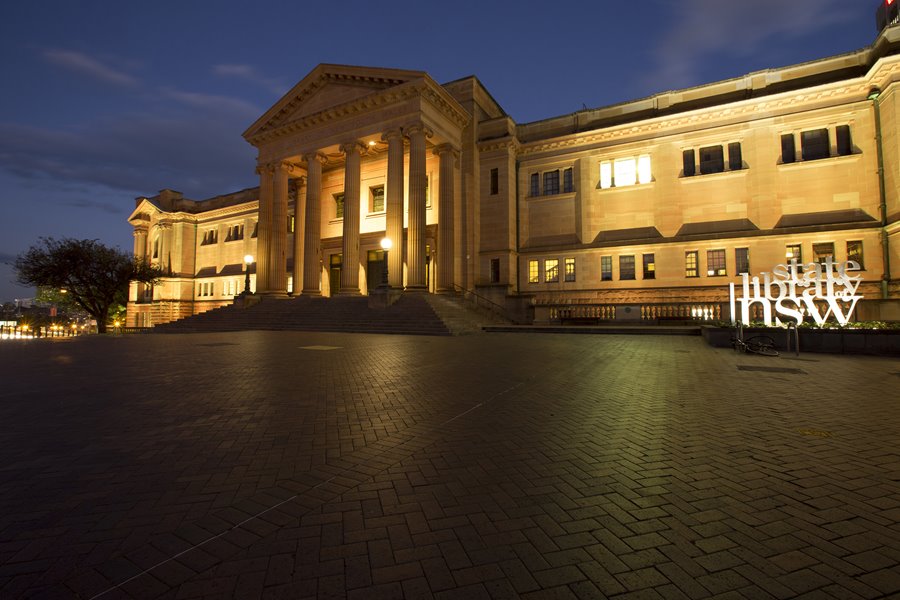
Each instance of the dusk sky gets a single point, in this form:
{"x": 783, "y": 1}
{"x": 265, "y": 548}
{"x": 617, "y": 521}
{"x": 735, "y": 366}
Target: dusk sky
{"x": 105, "y": 101}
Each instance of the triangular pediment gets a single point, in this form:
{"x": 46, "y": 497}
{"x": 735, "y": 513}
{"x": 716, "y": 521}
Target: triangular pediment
{"x": 326, "y": 87}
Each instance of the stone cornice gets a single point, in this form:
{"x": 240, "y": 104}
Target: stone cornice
{"x": 504, "y": 143}
{"x": 743, "y": 111}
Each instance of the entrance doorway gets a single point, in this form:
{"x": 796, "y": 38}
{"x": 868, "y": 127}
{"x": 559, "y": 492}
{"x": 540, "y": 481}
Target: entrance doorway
{"x": 374, "y": 269}
{"x": 335, "y": 263}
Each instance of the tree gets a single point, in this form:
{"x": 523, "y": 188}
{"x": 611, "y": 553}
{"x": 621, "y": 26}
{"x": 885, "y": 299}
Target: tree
{"x": 94, "y": 276}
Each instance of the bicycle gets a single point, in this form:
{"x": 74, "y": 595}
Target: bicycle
{"x": 757, "y": 344}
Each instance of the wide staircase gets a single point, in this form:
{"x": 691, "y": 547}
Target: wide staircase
{"x": 411, "y": 314}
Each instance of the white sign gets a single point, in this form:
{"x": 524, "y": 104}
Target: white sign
{"x": 790, "y": 292}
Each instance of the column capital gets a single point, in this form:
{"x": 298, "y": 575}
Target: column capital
{"x": 444, "y": 148}
{"x": 316, "y": 156}
{"x": 301, "y": 180}
{"x": 140, "y": 230}
{"x": 353, "y": 146}
{"x": 283, "y": 165}
{"x": 417, "y": 127}
{"x": 268, "y": 168}
{"x": 390, "y": 134}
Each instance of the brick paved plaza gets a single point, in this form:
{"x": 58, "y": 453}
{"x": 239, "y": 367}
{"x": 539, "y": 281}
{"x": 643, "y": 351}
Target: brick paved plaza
{"x": 294, "y": 465}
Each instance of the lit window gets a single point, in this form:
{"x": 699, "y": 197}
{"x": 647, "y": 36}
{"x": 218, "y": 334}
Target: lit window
{"x": 534, "y": 273}
{"x": 794, "y": 251}
{"x": 691, "y": 267}
{"x": 606, "y": 268}
{"x": 625, "y": 172}
{"x": 626, "y": 267}
{"x": 551, "y": 183}
{"x": 551, "y": 270}
{"x": 376, "y": 198}
{"x": 742, "y": 260}
{"x": 606, "y": 175}
{"x": 715, "y": 263}
{"x": 570, "y": 269}
{"x": 644, "y": 174}
{"x": 855, "y": 253}
{"x": 649, "y": 266}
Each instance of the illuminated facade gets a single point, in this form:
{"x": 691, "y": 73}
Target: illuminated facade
{"x": 633, "y": 210}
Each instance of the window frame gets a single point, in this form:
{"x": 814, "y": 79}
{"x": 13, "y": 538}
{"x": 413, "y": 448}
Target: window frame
{"x": 627, "y": 272}
{"x": 551, "y": 270}
{"x": 740, "y": 260}
{"x": 339, "y": 205}
{"x": 534, "y": 270}
{"x": 606, "y": 274}
{"x": 716, "y": 263}
{"x": 372, "y": 196}
{"x": 569, "y": 274}
{"x": 495, "y": 270}
{"x": 692, "y": 267}
{"x": 649, "y": 266}
{"x": 550, "y": 180}
{"x": 861, "y": 254}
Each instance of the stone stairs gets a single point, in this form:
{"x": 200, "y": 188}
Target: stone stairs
{"x": 460, "y": 317}
{"x": 411, "y": 314}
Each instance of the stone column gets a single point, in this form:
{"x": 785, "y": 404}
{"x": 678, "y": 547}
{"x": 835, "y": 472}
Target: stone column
{"x": 278, "y": 246}
{"x": 415, "y": 249}
{"x": 264, "y": 230}
{"x": 447, "y": 155}
{"x": 394, "y": 206}
{"x": 299, "y": 222}
{"x": 312, "y": 257}
{"x": 140, "y": 253}
{"x": 350, "y": 269}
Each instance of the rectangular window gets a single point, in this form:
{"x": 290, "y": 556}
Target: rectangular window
{"x": 788, "y": 151}
{"x": 551, "y": 270}
{"x": 844, "y": 143}
{"x": 495, "y": 270}
{"x": 606, "y": 175}
{"x": 551, "y": 183}
{"x": 535, "y": 185}
{"x": 814, "y": 144}
{"x": 495, "y": 182}
{"x": 339, "y": 206}
{"x": 606, "y": 268}
{"x": 742, "y": 260}
{"x": 255, "y": 229}
{"x": 568, "y": 181}
{"x": 855, "y": 253}
{"x": 712, "y": 160}
{"x": 649, "y": 266}
{"x": 823, "y": 251}
{"x": 156, "y": 248}
{"x": 624, "y": 172}
{"x": 643, "y": 167}
{"x": 715, "y": 263}
{"x": 376, "y": 199}
{"x": 794, "y": 251}
{"x": 689, "y": 163}
{"x": 534, "y": 272}
{"x": 691, "y": 266}
{"x": 570, "y": 269}
{"x": 735, "y": 157}
{"x": 626, "y": 267}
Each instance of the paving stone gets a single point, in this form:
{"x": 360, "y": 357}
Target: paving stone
{"x": 556, "y": 467}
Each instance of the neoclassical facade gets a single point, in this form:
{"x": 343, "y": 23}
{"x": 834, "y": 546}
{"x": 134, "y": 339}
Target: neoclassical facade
{"x": 628, "y": 211}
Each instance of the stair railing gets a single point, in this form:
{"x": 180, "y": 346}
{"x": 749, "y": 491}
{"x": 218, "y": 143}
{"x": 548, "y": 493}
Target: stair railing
{"x": 492, "y": 306}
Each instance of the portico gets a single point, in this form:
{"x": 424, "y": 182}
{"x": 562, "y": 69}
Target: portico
{"x": 345, "y": 128}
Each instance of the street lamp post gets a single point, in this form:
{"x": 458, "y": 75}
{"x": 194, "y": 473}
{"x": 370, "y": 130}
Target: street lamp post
{"x": 248, "y": 260}
{"x": 386, "y": 246}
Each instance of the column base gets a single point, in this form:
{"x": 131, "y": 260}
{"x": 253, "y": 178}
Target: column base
{"x": 416, "y": 289}
{"x": 349, "y": 292}
{"x": 310, "y": 292}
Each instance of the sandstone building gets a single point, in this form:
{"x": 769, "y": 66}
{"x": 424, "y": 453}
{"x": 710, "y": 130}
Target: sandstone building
{"x": 638, "y": 210}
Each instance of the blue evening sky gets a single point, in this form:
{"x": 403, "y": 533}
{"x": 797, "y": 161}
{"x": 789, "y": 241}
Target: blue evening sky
{"x": 103, "y": 101}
